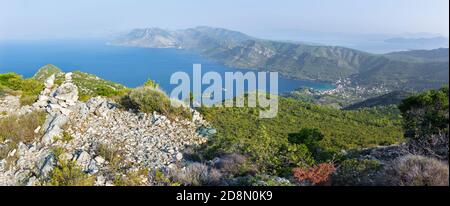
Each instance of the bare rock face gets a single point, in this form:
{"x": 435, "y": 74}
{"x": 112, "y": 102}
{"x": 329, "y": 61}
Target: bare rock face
{"x": 100, "y": 106}
{"x": 33, "y": 164}
{"x": 52, "y": 127}
{"x": 49, "y": 83}
{"x": 66, "y": 94}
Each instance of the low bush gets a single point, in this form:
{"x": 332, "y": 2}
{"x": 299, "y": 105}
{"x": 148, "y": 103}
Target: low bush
{"x": 310, "y": 138}
{"x": 195, "y": 174}
{"x": 92, "y": 86}
{"x": 152, "y": 84}
{"x": 426, "y": 123}
{"x": 28, "y": 88}
{"x": 11, "y": 80}
{"x": 65, "y": 137}
{"x": 158, "y": 178}
{"x": 149, "y": 99}
{"x": 68, "y": 173}
{"x": 112, "y": 155}
{"x": 413, "y": 170}
{"x": 235, "y": 164}
{"x": 134, "y": 178}
{"x": 21, "y": 128}
{"x": 354, "y": 172}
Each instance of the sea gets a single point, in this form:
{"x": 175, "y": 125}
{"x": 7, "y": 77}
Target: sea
{"x": 130, "y": 66}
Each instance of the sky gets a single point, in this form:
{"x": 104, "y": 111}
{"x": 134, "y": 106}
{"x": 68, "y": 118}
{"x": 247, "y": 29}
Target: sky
{"x": 47, "y": 19}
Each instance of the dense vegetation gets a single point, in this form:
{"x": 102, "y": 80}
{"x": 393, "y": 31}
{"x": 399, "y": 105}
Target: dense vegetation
{"x": 150, "y": 98}
{"x": 426, "y": 123}
{"x": 301, "y": 135}
{"x": 28, "y": 89}
{"x": 88, "y": 85}
{"x": 392, "y": 98}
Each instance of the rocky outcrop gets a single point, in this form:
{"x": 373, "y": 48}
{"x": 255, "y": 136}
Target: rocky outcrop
{"x": 90, "y": 132}
{"x": 58, "y": 102}
{"x": 382, "y": 154}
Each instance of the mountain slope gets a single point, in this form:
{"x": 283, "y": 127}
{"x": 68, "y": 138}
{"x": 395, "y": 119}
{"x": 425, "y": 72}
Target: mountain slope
{"x": 391, "y": 98}
{"x": 409, "y": 71}
{"x": 89, "y": 85}
{"x": 439, "y": 55}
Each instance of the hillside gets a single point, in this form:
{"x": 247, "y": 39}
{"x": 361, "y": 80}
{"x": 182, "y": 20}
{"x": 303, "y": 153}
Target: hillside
{"x": 435, "y": 55}
{"x": 88, "y": 85}
{"x": 59, "y": 140}
{"x": 301, "y": 61}
{"x": 392, "y": 98}
{"x": 135, "y": 138}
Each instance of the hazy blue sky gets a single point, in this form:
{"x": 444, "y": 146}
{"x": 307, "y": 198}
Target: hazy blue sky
{"x": 88, "y": 18}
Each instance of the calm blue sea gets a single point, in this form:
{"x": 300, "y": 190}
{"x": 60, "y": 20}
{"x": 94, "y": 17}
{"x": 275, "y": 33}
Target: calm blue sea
{"x": 126, "y": 65}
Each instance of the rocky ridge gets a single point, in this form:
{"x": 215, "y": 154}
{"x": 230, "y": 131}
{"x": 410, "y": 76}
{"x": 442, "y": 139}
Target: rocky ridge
{"x": 85, "y": 130}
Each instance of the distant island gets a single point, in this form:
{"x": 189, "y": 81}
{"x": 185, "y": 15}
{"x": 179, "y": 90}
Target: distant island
{"x": 410, "y": 70}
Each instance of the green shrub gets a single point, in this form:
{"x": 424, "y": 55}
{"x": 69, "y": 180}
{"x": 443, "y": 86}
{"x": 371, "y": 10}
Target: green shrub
{"x": 149, "y": 100}
{"x": 91, "y": 86}
{"x": 158, "y": 178}
{"x": 134, "y": 178}
{"x": 354, "y": 172}
{"x": 426, "y": 123}
{"x": 84, "y": 97}
{"x": 11, "y": 80}
{"x": 151, "y": 83}
{"x": 29, "y": 88}
{"x": 68, "y": 173}
{"x": 65, "y": 137}
{"x": 310, "y": 138}
{"x": 306, "y": 136}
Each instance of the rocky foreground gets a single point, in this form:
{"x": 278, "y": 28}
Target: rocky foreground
{"x": 91, "y": 134}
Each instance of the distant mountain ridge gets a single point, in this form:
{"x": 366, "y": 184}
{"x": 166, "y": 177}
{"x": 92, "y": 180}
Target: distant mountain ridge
{"x": 398, "y": 71}
{"x": 432, "y": 42}
{"x": 438, "y": 55}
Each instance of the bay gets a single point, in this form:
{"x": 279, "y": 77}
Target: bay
{"x": 126, "y": 65}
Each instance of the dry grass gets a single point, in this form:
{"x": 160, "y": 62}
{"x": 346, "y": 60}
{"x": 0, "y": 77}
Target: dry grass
{"x": 195, "y": 174}
{"x": 414, "y": 170}
{"x": 235, "y": 164}
{"x": 21, "y": 128}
